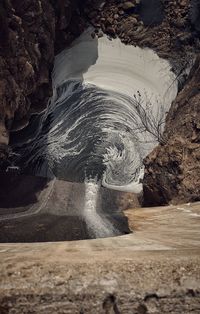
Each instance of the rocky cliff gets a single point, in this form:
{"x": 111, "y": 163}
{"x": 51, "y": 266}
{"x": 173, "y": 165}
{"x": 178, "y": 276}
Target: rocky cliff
{"x": 26, "y": 57}
{"x": 27, "y": 45}
{"x": 173, "y": 169}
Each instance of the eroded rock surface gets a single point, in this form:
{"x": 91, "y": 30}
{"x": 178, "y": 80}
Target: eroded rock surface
{"x": 27, "y": 38}
{"x": 173, "y": 169}
{"x": 27, "y": 52}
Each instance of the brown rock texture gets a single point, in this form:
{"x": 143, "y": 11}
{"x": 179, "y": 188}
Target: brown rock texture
{"x": 143, "y": 285}
{"x": 27, "y": 38}
{"x": 27, "y": 52}
{"x": 171, "y": 39}
{"x": 173, "y": 169}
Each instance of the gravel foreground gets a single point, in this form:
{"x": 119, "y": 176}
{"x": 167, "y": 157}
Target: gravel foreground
{"x": 60, "y": 281}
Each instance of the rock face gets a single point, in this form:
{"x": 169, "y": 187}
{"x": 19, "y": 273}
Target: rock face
{"x": 173, "y": 170}
{"x": 27, "y": 52}
{"x": 170, "y": 29}
{"x": 27, "y": 38}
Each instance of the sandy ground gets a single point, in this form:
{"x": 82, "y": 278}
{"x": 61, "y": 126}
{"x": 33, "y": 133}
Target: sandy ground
{"x": 156, "y": 269}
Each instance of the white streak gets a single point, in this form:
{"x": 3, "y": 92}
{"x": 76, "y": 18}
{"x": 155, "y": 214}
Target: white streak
{"x": 98, "y": 226}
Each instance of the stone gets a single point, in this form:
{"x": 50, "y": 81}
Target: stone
{"x": 128, "y": 5}
{"x": 110, "y": 30}
{"x": 100, "y": 34}
{"x": 121, "y": 12}
{"x": 133, "y": 20}
{"x": 93, "y": 35}
{"x": 184, "y": 37}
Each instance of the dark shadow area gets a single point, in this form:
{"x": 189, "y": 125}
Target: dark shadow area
{"x": 43, "y": 228}
{"x": 195, "y": 17}
{"x": 52, "y": 228}
{"x": 17, "y": 191}
{"x": 151, "y": 12}
{"x": 34, "y": 209}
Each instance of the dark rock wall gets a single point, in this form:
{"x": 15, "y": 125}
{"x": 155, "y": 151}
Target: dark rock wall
{"x": 27, "y": 48}
{"x": 173, "y": 170}
{"x": 195, "y": 15}
{"x": 26, "y": 57}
